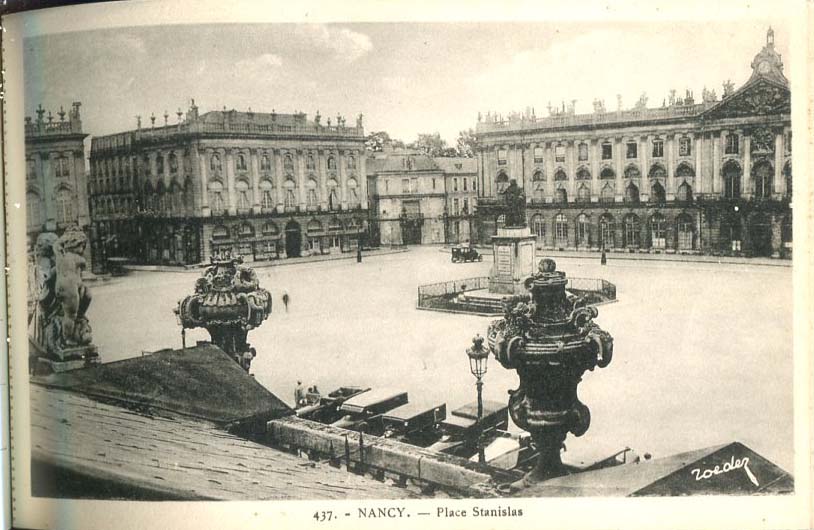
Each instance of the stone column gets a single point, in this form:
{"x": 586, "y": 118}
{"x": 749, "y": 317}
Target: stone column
{"x": 618, "y": 159}
{"x": 229, "y": 161}
{"x": 746, "y": 181}
{"x": 548, "y": 164}
{"x": 644, "y": 182}
{"x": 254, "y": 168}
{"x": 48, "y": 188}
{"x": 669, "y": 144}
{"x": 299, "y": 171}
{"x": 361, "y": 183}
{"x": 700, "y": 178}
{"x": 80, "y": 183}
{"x": 203, "y": 165}
{"x": 322, "y": 177}
{"x": 279, "y": 176}
{"x": 594, "y": 155}
{"x": 779, "y": 187}
{"x": 570, "y": 168}
{"x": 717, "y": 179}
{"x": 343, "y": 180}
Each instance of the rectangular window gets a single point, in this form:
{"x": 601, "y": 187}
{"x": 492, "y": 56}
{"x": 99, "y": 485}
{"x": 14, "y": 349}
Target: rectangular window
{"x": 607, "y": 151}
{"x": 465, "y": 182}
{"x": 559, "y": 153}
{"x": 455, "y": 184}
{"x": 501, "y": 157}
{"x": 732, "y": 144}
{"x": 433, "y": 183}
{"x": 414, "y": 185}
{"x": 632, "y": 150}
{"x": 466, "y": 207}
{"x": 684, "y": 147}
{"x": 658, "y": 148}
{"x": 405, "y": 185}
{"x": 583, "y": 152}
{"x": 538, "y": 155}
{"x": 455, "y": 207}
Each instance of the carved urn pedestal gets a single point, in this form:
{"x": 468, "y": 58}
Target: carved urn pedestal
{"x": 549, "y": 337}
{"x": 513, "y": 251}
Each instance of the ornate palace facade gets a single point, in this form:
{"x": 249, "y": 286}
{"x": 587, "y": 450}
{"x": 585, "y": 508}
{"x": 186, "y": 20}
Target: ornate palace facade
{"x": 710, "y": 176}
{"x": 259, "y": 185}
{"x": 55, "y": 172}
{"x": 417, "y": 199}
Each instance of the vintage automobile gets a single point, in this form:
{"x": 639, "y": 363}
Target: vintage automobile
{"x": 464, "y": 253}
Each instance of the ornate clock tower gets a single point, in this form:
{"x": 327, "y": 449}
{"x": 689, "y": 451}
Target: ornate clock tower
{"x": 768, "y": 63}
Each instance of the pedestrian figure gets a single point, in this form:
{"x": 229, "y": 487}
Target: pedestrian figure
{"x": 299, "y": 395}
{"x": 285, "y": 301}
{"x": 604, "y": 259}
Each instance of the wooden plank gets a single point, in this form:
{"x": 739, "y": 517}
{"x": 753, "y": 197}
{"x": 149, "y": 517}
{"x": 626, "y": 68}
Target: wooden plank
{"x": 179, "y": 456}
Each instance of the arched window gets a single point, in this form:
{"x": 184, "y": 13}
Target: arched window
{"x": 607, "y": 174}
{"x": 216, "y": 201}
{"x": 538, "y": 176}
{"x": 266, "y": 194}
{"x": 632, "y": 193}
{"x": 351, "y": 162}
{"x": 607, "y": 193}
{"x": 333, "y": 194}
{"x": 685, "y": 232}
{"x": 560, "y": 175}
{"x": 265, "y": 163}
{"x": 584, "y": 194}
{"x": 632, "y": 172}
{"x": 502, "y": 181}
{"x": 685, "y": 170}
{"x": 732, "y": 180}
{"x": 763, "y": 173}
{"x": 561, "y": 196}
{"x": 583, "y": 231}
{"x": 32, "y": 210}
{"x": 560, "y": 230}
{"x": 658, "y": 172}
{"x": 353, "y": 193}
{"x": 270, "y": 229}
{"x": 214, "y": 163}
{"x": 159, "y": 164}
{"x": 657, "y": 193}
{"x": 244, "y": 198}
{"x": 173, "y": 163}
{"x": 658, "y": 231}
{"x": 64, "y": 206}
{"x": 632, "y": 235}
{"x": 240, "y": 162}
{"x": 288, "y": 164}
{"x": 310, "y": 163}
{"x": 246, "y": 231}
{"x": 583, "y": 174}
{"x": 684, "y": 192}
{"x": 220, "y": 232}
{"x": 331, "y": 163}
{"x": 290, "y": 198}
{"x": 311, "y": 197}
{"x": 538, "y": 155}
{"x": 732, "y": 144}
{"x": 606, "y": 231}
{"x": 538, "y": 226}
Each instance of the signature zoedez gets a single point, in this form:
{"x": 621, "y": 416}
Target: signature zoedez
{"x": 726, "y": 468}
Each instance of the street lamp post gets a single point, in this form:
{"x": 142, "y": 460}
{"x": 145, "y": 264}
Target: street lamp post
{"x": 359, "y": 245}
{"x": 478, "y": 355}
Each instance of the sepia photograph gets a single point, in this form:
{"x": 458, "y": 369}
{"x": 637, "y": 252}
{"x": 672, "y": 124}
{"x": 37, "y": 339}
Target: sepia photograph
{"x": 459, "y": 261}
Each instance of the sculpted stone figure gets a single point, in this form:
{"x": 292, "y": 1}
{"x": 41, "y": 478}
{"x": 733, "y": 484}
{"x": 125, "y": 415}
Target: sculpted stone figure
{"x": 69, "y": 290}
{"x": 515, "y": 201}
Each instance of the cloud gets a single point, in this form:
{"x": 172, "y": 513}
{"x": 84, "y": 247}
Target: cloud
{"x": 259, "y": 66}
{"x": 345, "y": 44}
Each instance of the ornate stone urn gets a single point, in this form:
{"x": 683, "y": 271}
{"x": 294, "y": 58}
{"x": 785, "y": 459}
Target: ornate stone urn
{"x": 549, "y": 337}
{"x": 228, "y": 302}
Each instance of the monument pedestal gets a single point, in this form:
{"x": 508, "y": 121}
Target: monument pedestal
{"x": 513, "y": 260}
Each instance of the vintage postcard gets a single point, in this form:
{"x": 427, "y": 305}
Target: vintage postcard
{"x": 459, "y": 266}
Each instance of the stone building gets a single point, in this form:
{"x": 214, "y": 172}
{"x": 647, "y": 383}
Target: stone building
{"x": 418, "y": 199}
{"x": 259, "y": 185}
{"x": 56, "y": 189}
{"x": 711, "y": 176}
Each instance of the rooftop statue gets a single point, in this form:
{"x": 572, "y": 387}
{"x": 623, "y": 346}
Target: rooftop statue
{"x": 515, "y": 201}
{"x": 228, "y": 302}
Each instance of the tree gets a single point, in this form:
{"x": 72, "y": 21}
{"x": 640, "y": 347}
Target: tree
{"x": 376, "y": 141}
{"x": 467, "y": 143}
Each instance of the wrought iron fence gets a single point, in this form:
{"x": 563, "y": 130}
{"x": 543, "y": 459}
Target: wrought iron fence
{"x": 436, "y": 290}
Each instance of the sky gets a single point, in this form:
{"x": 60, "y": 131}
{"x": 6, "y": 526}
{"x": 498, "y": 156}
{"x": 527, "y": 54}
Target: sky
{"x": 406, "y": 78}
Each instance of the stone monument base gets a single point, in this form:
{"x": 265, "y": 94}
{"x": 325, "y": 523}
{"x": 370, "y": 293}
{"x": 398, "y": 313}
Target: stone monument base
{"x": 513, "y": 254}
{"x": 63, "y": 360}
